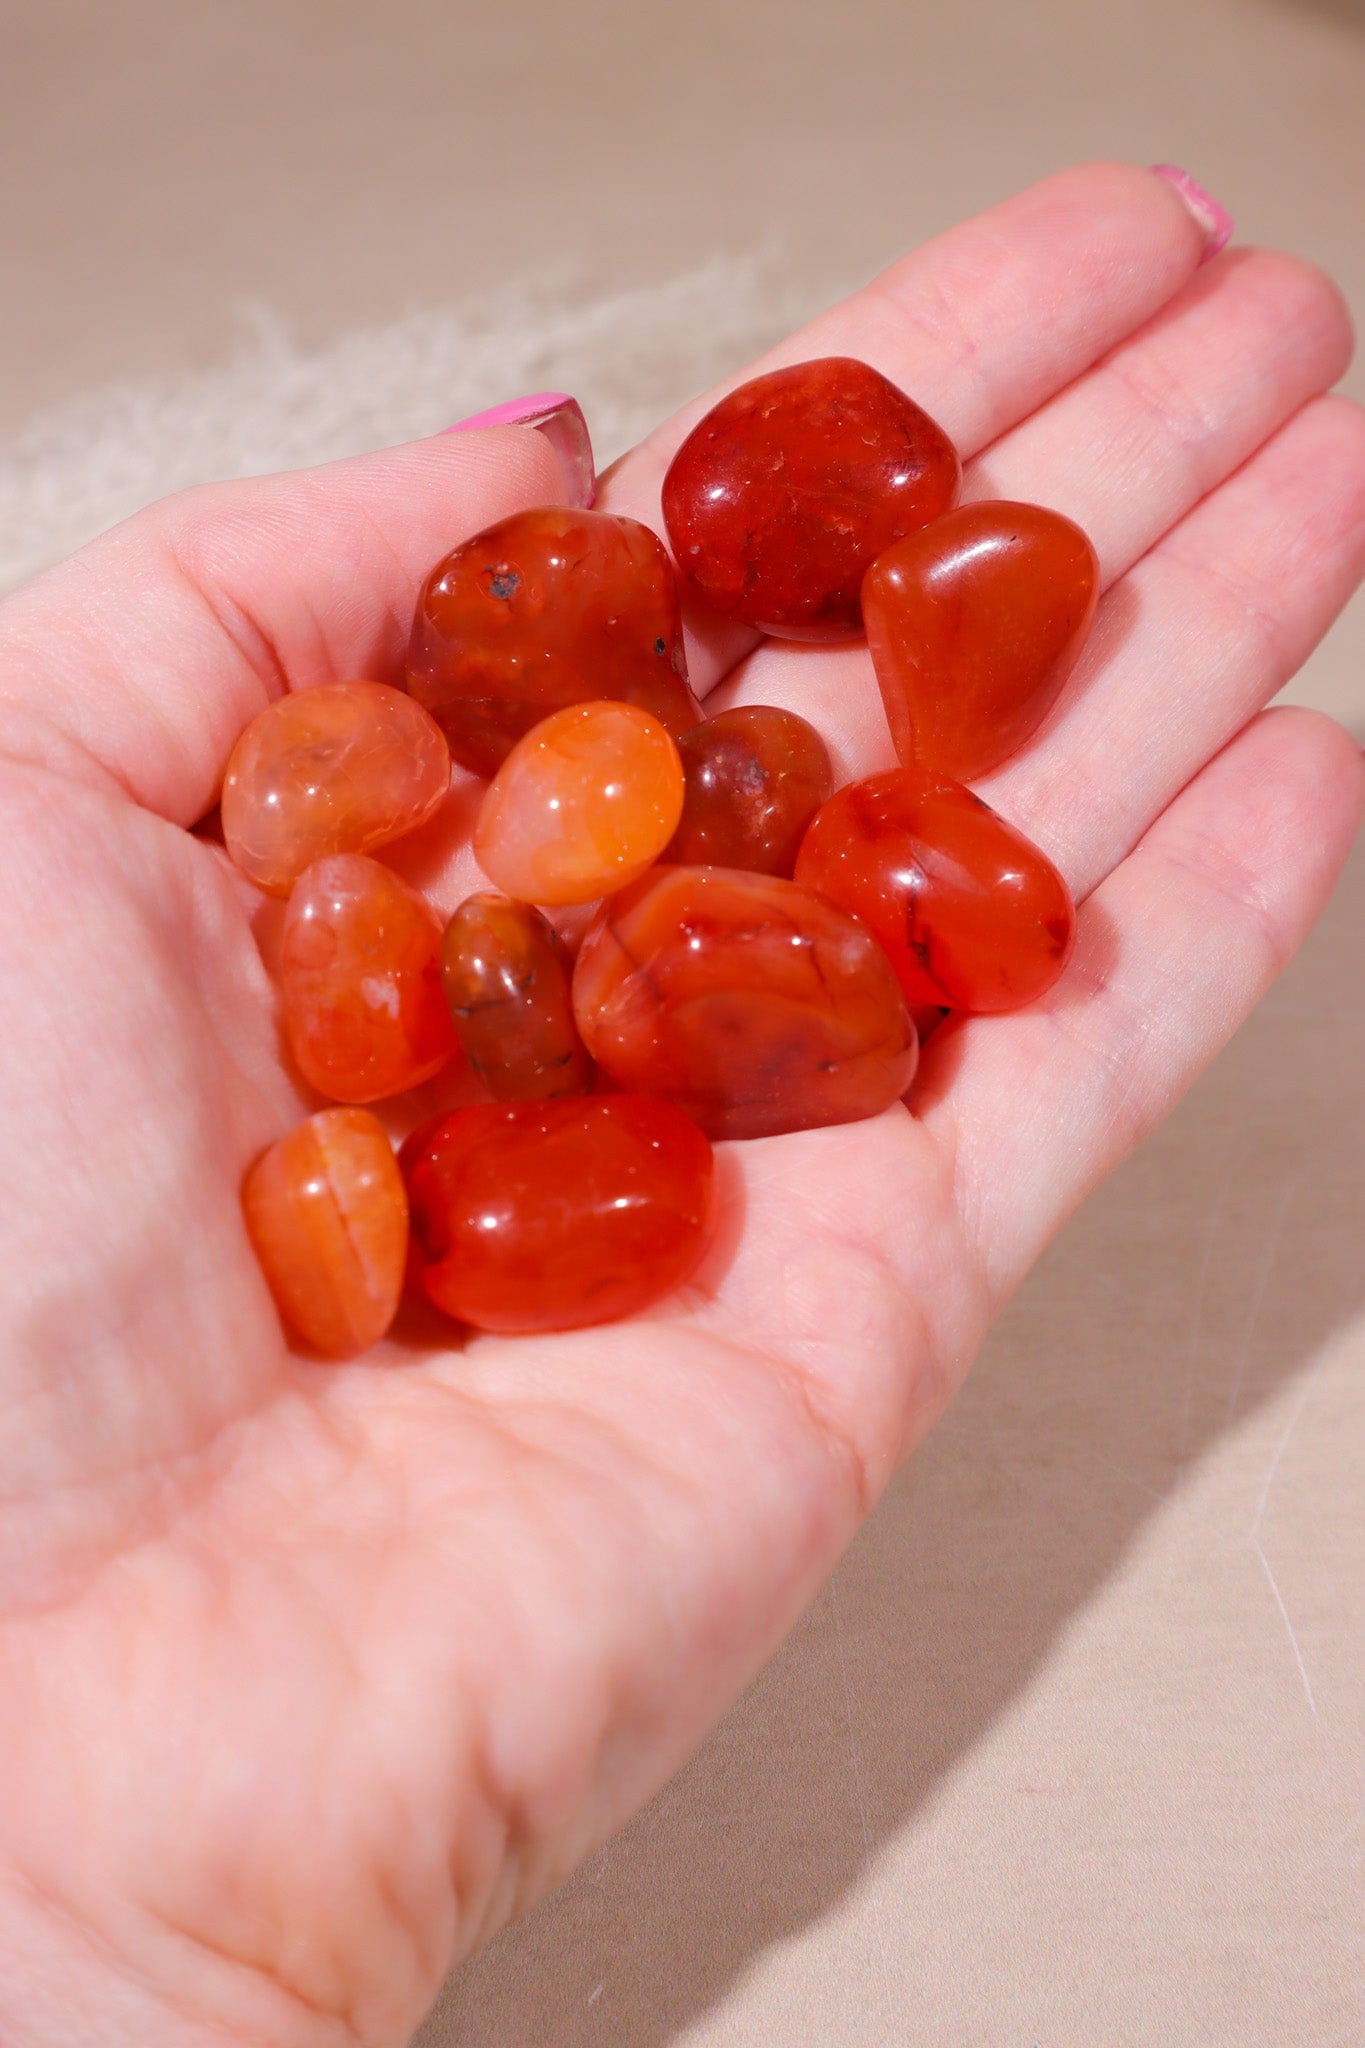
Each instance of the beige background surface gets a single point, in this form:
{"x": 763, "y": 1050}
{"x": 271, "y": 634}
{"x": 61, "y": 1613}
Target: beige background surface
{"x": 1070, "y": 1754}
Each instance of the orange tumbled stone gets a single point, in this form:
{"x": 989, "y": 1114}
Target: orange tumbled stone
{"x": 340, "y": 768}
{"x": 749, "y": 1001}
{"x": 552, "y": 1215}
{"x": 547, "y": 608}
{"x": 972, "y": 915}
{"x": 327, "y": 1215}
{"x": 364, "y": 1010}
{"x": 974, "y": 624}
{"x": 582, "y": 805}
{"x": 506, "y": 972}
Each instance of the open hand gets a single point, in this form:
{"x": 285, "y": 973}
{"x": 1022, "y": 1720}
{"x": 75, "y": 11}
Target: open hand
{"x": 311, "y": 1676}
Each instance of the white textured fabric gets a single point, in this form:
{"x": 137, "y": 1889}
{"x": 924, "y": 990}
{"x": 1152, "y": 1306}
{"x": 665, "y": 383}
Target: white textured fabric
{"x": 80, "y": 466}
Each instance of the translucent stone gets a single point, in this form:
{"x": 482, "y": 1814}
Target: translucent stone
{"x": 549, "y": 1215}
{"x": 754, "y": 778}
{"x": 787, "y": 490}
{"x": 327, "y": 1215}
{"x": 974, "y": 624}
{"x": 341, "y": 768}
{"x": 547, "y": 608}
{"x": 364, "y": 1010}
{"x": 749, "y": 1001}
{"x": 582, "y": 805}
{"x": 506, "y": 972}
{"x": 971, "y": 914}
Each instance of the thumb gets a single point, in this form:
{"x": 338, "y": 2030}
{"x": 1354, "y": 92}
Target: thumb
{"x": 140, "y": 659}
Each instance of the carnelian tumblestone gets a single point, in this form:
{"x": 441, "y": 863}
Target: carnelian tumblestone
{"x": 550, "y": 1215}
{"x": 360, "y": 965}
{"x": 755, "y": 776}
{"x": 974, "y": 624}
{"x": 339, "y": 768}
{"x": 971, "y": 914}
{"x": 582, "y": 805}
{"x": 786, "y": 491}
{"x": 547, "y": 608}
{"x": 752, "y": 1003}
{"x": 327, "y": 1215}
{"x": 506, "y": 972}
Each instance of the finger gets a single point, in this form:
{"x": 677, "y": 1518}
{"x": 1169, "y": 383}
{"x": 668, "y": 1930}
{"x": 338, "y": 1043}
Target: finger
{"x": 1127, "y": 451}
{"x": 1231, "y": 602}
{"x": 980, "y": 326}
{"x": 1172, "y": 953}
{"x": 1132, "y": 446}
{"x": 139, "y": 661}
{"x": 1196, "y": 639}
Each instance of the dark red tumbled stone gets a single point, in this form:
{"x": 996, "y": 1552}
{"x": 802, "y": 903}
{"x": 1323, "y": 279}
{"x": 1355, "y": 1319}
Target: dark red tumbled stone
{"x": 506, "y": 975}
{"x": 532, "y": 1216}
{"x": 754, "y": 777}
{"x": 548, "y": 608}
{"x": 971, "y": 914}
{"x": 974, "y": 624}
{"x": 784, "y": 494}
{"x": 756, "y": 1006}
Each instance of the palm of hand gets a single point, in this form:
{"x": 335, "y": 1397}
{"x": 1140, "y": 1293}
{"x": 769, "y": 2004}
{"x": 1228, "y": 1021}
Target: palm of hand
{"x": 314, "y": 1675}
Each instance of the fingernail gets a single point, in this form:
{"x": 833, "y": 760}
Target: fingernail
{"x": 560, "y": 419}
{"x": 1215, "y": 220}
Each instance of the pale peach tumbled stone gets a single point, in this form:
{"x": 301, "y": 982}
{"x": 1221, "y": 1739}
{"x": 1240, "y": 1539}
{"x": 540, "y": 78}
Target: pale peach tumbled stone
{"x": 340, "y": 768}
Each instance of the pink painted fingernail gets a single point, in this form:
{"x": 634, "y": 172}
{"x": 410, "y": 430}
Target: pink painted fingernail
{"x": 1215, "y": 220}
{"x": 560, "y": 419}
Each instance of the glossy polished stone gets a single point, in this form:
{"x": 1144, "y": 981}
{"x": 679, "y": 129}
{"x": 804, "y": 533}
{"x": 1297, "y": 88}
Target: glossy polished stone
{"x": 536, "y": 1216}
{"x": 754, "y": 778}
{"x": 364, "y": 1010}
{"x": 506, "y": 973}
{"x": 582, "y": 805}
{"x": 753, "y": 1004}
{"x": 327, "y": 1215}
{"x": 340, "y": 768}
{"x": 783, "y": 495}
{"x": 547, "y": 608}
{"x": 974, "y": 624}
{"x": 970, "y": 913}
